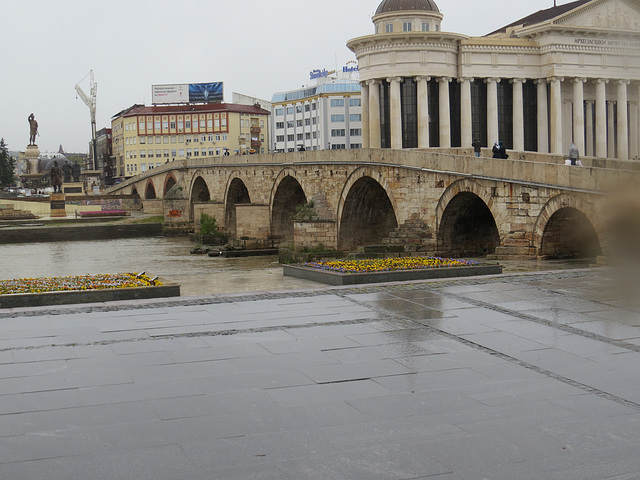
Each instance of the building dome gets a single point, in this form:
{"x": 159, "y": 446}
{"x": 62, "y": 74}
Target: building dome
{"x": 388, "y": 6}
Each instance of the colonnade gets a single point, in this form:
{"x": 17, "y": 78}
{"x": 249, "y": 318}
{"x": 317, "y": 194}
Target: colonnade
{"x": 559, "y": 120}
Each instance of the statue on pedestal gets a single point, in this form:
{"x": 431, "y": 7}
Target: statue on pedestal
{"x": 33, "y": 129}
{"x": 76, "y": 171}
{"x": 56, "y": 177}
{"x": 66, "y": 169}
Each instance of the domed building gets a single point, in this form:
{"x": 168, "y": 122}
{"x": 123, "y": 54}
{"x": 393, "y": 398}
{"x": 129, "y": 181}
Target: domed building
{"x": 570, "y": 73}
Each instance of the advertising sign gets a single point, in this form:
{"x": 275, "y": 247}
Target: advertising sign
{"x": 188, "y": 93}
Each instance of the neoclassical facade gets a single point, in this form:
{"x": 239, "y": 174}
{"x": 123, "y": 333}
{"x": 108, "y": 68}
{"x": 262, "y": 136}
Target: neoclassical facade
{"x": 570, "y": 73}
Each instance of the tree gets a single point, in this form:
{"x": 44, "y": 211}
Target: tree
{"x": 7, "y": 176}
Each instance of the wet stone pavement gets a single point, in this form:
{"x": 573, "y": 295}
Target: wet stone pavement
{"x": 524, "y": 376}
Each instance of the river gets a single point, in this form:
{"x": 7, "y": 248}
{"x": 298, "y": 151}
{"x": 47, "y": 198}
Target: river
{"x": 170, "y": 258}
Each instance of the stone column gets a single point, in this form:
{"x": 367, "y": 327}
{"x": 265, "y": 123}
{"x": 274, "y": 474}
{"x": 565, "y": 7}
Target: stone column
{"x": 588, "y": 149}
{"x": 601, "y": 118}
{"x": 364, "y": 95}
{"x": 374, "y": 114}
{"x": 543, "y": 117}
{"x": 492, "y": 110}
{"x": 611, "y": 129}
{"x": 623, "y": 120}
{"x": 423, "y": 111}
{"x": 556, "y": 116}
{"x": 396, "y": 112}
{"x": 466, "y": 131}
{"x": 518, "y": 115}
{"x": 633, "y": 127}
{"x": 445, "y": 113}
{"x": 578, "y": 114}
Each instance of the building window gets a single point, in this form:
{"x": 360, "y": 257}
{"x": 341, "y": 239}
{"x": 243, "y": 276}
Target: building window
{"x": 300, "y": 136}
{"x": 158, "y": 153}
{"x": 338, "y": 146}
{"x": 280, "y": 138}
{"x": 290, "y": 123}
{"x": 166, "y": 153}
{"x": 338, "y": 132}
{"x": 299, "y": 109}
{"x": 337, "y": 118}
{"x": 425, "y": 26}
{"x": 389, "y": 28}
{"x": 290, "y": 110}
{"x": 291, "y": 138}
{"x": 181, "y": 152}
{"x": 355, "y": 132}
{"x": 143, "y": 154}
{"x": 406, "y": 27}
{"x": 356, "y": 145}
{"x": 355, "y": 117}
{"x": 279, "y": 112}
{"x": 280, "y": 125}
{"x": 337, "y": 102}
{"x": 299, "y": 123}
{"x": 355, "y": 102}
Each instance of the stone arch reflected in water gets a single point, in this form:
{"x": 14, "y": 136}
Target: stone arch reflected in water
{"x": 289, "y": 195}
{"x": 467, "y": 227}
{"x": 367, "y": 216}
{"x": 570, "y": 234}
{"x": 237, "y": 194}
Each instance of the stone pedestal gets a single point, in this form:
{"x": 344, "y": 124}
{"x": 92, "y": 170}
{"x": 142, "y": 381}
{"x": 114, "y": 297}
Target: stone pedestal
{"x": 58, "y": 208}
{"x": 73, "y": 188}
{"x": 32, "y": 154}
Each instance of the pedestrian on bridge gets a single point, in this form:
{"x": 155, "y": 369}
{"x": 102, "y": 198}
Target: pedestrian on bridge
{"x": 477, "y": 147}
{"x": 574, "y": 154}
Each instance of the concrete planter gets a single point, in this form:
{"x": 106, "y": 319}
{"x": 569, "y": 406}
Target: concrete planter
{"x": 88, "y": 296}
{"x": 333, "y": 278}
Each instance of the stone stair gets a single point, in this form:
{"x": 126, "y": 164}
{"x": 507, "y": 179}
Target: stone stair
{"x": 413, "y": 235}
{"x": 8, "y": 212}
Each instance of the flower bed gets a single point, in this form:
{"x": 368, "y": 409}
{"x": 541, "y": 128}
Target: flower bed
{"x": 76, "y": 283}
{"x": 389, "y": 264}
{"x": 354, "y": 272}
{"x": 32, "y": 292}
{"x": 104, "y": 213}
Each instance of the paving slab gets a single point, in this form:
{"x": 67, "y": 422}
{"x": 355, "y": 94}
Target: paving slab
{"x": 515, "y": 377}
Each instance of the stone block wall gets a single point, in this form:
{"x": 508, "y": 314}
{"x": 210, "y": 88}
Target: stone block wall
{"x": 311, "y": 234}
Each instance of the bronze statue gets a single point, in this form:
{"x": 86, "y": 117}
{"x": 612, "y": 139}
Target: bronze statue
{"x": 56, "y": 177}
{"x": 76, "y": 170}
{"x": 66, "y": 169}
{"x": 33, "y": 130}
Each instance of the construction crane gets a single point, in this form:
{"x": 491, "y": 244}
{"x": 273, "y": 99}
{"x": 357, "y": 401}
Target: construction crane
{"x": 90, "y": 101}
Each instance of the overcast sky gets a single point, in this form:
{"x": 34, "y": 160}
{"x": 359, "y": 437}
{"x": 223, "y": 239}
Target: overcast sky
{"x": 255, "y": 47}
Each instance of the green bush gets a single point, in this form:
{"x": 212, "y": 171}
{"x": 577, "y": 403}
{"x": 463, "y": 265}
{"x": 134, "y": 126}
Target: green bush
{"x": 208, "y": 225}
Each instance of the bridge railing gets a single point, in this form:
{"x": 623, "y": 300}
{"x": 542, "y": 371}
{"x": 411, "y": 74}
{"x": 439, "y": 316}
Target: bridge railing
{"x": 529, "y": 168}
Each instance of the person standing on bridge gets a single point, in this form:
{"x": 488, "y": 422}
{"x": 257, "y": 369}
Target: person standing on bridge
{"x": 574, "y": 154}
{"x": 477, "y": 147}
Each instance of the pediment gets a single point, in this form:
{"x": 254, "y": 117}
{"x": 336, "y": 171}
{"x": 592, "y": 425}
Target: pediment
{"x": 605, "y": 14}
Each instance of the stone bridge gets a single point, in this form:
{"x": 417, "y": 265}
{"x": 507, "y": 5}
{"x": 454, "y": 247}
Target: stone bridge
{"x": 440, "y": 202}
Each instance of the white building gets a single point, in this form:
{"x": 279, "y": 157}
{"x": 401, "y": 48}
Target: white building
{"x": 570, "y": 73}
{"x": 318, "y": 117}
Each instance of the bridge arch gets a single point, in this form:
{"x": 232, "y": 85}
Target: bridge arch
{"x": 567, "y": 227}
{"x": 367, "y": 210}
{"x": 169, "y": 182}
{"x": 466, "y": 224}
{"x": 287, "y": 194}
{"x": 237, "y": 193}
{"x": 150, "y": 191}
{"x": 134, "y": 192}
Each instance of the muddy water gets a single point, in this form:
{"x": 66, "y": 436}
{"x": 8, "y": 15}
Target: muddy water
{"x": 170, "y": 259}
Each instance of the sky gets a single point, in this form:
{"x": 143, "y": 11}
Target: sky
{"x": 255, "y": 47}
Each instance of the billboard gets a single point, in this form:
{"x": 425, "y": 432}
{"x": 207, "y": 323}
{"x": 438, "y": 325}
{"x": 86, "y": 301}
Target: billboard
{"x": 188, "y": 93}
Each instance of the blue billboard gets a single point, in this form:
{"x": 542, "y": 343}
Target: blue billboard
{"x": 206, "y": 92}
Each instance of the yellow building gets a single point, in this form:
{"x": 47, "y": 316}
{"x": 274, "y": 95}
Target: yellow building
{"x": 147, "y": 137}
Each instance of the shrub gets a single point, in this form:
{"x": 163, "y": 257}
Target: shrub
{"x": 208, "y": 225}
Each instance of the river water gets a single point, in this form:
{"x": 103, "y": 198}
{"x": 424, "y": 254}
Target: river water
{"x": 169, "y": 258}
